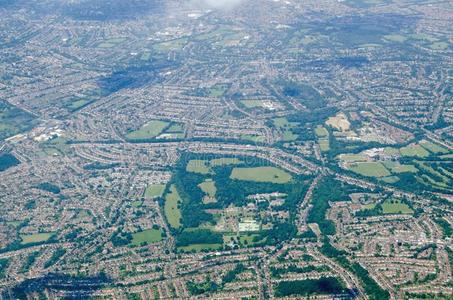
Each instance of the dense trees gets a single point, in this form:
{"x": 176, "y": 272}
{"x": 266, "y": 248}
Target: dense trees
{"x": 7, "y": 161}
{"x": 323, "y": 285}
{"x": 199, "y": 236}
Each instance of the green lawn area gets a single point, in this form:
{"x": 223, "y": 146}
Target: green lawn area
{"x": 148, "y": 236}
{"x": 148, "y": 131}
{"x": 172, "y": 212}
{"x": 396, "y": 167}
{"x": 434, "y": 148}
{"x": 154, "y": 190}
{"x": 208, "y": 187}
{"x": 198, "y": 166}
{"x": 253, "y": 138}
{"x": 261, "y": 174}
{"x": 389, "y": 179}
{"x": 289, "y": 136}
{"x": 217, "y": 90}
{"x": 320, "y": 131}
{"x": 370, "y": 169}
{"x": 200, "y": 247}
{"x": 78, "y": 104}
{"x": 224, "y": 161}
{"x": 252, "y": 103}
{"x": 395, "y": 38}
{"x": 395, "y": 208}
{"x": 175, "y": 128}
{"x": 137, "y": 203}
{"x": 324, "y": 145}
{"x": 414, "y": 150}
{"x": 35, "y": 238}
{"x": 439, "y": 46}
{"x": 352, "y": 157}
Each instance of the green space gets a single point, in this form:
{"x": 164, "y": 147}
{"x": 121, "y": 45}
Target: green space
{"x": 208, "y": 187}
{"x": 434, "y": 148}
{"x": 395, "y": 206}
{"x": 224, "y": 161}
{"x": 252, "y": 103}
{"x": 13, "y": 120}
{"x": 286, "y": 126}
{"x": 253, "y": 138}
{"x": 321, "y": 131}
{"x": 439, "y": 46}
{"x": 198, "y": 166}
{"x": 35, "y": 238}
{"x": 261, "y": 174}
{"x": 77, "y": 104}
{"x": 176, "y": 44}
{"x": 353, "y": 157}
{"x": 324, "y": 145}
{"x": 200, "y": 247}
{"x": 369, "y": 169}
{"x": 396, "y": 167}
{"x": 148, "y": 131}
{"x": 7, "y": 161}
{"x": 112, "y": 42}
{"x": 395, "y": 38}
{"x": 217, "y": 90}
{"x": 171, "y": 208}
{"x": 154, "y": 190}
{"x": 148, "y": 236}
{"x": 307, "y": 287}
{"x": 414, "y": 150}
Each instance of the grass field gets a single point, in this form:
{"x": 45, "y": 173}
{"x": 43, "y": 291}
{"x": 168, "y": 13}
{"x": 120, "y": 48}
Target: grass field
{"x": 146, "y": 236}
{"x": 396, "y": 208}
{"x": 370, "y": 169}
{"x": 339, "y": 122}
{"x": 148, "y": 131}
{"x": 252, "y": 103}
{"x": 253, "y": 138}
{"x": 35, "y": 238}
{"x": 395, "y": 38}
{"x": 352, "y": 157}
{"x": 414, "y": 150}
{"x": 208, "y": 187}
{"x": 154, "y": 190}
{"x": 396, "y": 167}
{"x": 389, "y": 179}
{"x": 434, "y": 148}
{"x": 320, "y": 131}
{"x": 200, "y": 247}
{"x": 224, "y": 161}
{"x": 324, "y": 145}
{"x": 261, "y": 174}
{"x": 172, "y": 212}
{"x": 198, "y": 166}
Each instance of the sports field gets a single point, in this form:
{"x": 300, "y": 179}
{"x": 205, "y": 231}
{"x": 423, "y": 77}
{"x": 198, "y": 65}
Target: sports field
{"x": 148, "y": 236}
{"x": 261, "y": 174}
{"x": 172, "y": 212}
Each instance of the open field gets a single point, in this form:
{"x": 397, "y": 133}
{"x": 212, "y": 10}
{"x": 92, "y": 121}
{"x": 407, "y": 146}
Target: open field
{"x": 208, "y": 187}
{"x": 261, "y": 174}
{"x": 154, "y": 190}
{"x": 339, "y": 122}
{"x": 370, "y": 169}
{"x": 434, "y": 148}
{"x": 198, "y": 166}
{"x": 35, "y": 238}
{"x": 200, "y": 247}
{"x": 320, "y": 131}
{"x": 172, "y": 212}
{"x": 224, "y": 161}
{"x": 414, "y": 150}
{"x": 324, "y": 145}
{"x": 148, "y": 236}
{"x": 395, "y": 208}
{"x": 148, "y": 131}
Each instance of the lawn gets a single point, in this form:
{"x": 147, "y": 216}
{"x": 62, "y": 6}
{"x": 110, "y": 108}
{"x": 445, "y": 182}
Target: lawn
{"x": 148, "y": 131}
{"x": 172, "y": 212}
{"x": 261, "y": 174}
{"x": 208, "y": 187}
{"x": 253, "y": 138}
{"x": 320, "y": 131}
{"x": 198, "y": 166}
{"x": 397, "y": 207}
{"x": 225, "y": 161}
{"x": 370, "y": 169}
{"x": 414, "y": 150}
{"x": 352, "y": 157}
{"x": 434, "y": 148}
{"x": 148, "y": 236}
{"x": 252, "y": 103}
{"x": 200, "y": 247}
{"x": 154, "y": 190}
{"x": 324, "y": 145}
{"x": 35, "y": 238}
